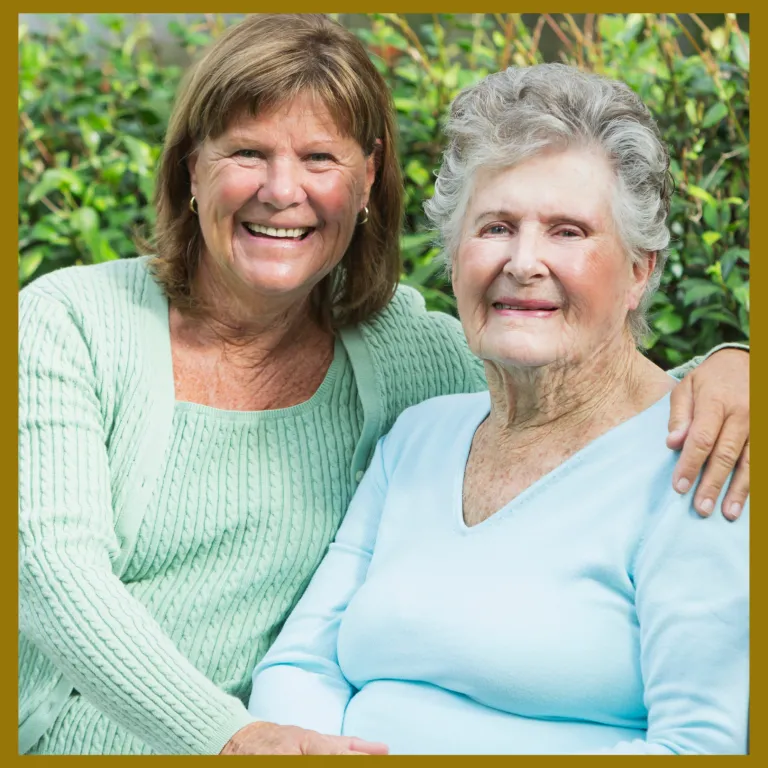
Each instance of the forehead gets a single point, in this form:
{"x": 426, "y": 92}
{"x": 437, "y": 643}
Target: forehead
{"x": 306, "y": 113}
{"x": 576, "y": 179}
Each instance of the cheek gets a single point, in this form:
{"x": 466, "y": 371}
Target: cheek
{"x": 596, "y": 284}
{"x": 233, "y": 188}
{"x": 337, "y": 197}
{"x": 475, "y": 267}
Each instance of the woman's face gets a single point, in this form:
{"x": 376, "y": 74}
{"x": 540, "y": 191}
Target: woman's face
{"x": 278, "y": 197}
{"x": 540, "y": 275}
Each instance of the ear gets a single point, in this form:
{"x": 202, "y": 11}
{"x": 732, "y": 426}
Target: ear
{"x": 372, "y": 165}
{"x": 641, "y": 274}
{"x": 192, "y": 159}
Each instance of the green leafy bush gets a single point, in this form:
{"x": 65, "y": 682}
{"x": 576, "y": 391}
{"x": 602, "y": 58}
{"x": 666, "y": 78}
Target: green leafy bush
{"x": 92, "y": 116}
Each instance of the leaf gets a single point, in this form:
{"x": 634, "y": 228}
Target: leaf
{"x": 710, "y": 238}
{"x": 717, "y": 38}
{"x": 701, "y": 194}
{"x": 415, "y": 241}
{"x": 714, "y": 312}
{"x": 690, "y": 111}
{"x": 741, "y": 294}
{"x": 714, "y": 115}
{"x": 28, "y": 264}
{"x": 417, "y": 173}
{"x": 700, "y": 291}
{"x": 740, "y": 49}
{"x": 55, "y": 179}
{"x": 89, "y": 136}
{"x": 729, "y": 259}
{"x": 85, "y": 220}
{"x": 668, "y": 323}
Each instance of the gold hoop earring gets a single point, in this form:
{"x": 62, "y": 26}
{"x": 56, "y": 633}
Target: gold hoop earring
{"x": 365, "y": 211}
{"x": 193, "y": 205}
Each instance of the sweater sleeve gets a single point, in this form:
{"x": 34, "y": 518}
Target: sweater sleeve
{"x": 299, "y": 680}
{"x": 683, "y": 370}
{"x": 692, "y": 600}
{"x": 472, "y": 369}
{"x": 71, "y": 604}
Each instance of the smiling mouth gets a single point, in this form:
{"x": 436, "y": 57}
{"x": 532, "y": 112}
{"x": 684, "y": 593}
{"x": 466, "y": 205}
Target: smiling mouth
{"x": 523, "y": 308}
{"x": 278, "y": 233}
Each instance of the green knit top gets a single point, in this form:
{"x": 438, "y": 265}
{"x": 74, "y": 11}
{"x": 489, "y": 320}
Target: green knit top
{"x": 162, "y": 544}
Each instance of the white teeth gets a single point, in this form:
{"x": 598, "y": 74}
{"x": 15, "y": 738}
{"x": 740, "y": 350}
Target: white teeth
{"x": 273, "y": 232}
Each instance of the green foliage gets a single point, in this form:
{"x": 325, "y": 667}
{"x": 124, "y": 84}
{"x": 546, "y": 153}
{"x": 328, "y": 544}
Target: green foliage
{"x": 93, "y": 112}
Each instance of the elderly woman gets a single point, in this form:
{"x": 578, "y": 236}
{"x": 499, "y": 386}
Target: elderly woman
{"x": 515, "y": 573}
{"x": 193, "y": 425}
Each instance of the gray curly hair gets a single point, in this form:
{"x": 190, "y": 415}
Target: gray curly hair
{"x": 516, "y": 114}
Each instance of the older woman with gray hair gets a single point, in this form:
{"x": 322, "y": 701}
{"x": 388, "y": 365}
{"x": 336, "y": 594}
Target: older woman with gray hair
{"x": 515, "y": 573}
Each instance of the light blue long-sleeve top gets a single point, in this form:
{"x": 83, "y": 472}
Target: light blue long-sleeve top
{"x": 595, "y": 612}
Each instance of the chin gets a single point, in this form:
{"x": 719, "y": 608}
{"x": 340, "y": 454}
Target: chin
{"x": 522, "y": 352}
{"x": 274, "y": 279}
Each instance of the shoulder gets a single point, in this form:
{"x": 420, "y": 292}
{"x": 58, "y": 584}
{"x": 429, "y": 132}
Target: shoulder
{"x": 406, "y": 316}
{"x": 104, "y": 315}
{"x": 418, "y": 354}
{"x": 80, "y": 288}
{"x": 667, "y": 514}
{"x": 437, "y": 421}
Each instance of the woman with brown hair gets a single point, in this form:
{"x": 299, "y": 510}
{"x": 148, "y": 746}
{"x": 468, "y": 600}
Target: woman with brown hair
{"x": 193, "y": 425}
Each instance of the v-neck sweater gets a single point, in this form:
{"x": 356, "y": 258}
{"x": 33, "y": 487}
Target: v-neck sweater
{"x": 593, "y": 613}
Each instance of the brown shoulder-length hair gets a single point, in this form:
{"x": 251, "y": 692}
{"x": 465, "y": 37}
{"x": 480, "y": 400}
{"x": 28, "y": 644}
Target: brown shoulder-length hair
{"x": 257, "y": 65}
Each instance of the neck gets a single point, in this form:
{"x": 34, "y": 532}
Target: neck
{"x": 245, "y": 322}
{"x": 559, "y": 399}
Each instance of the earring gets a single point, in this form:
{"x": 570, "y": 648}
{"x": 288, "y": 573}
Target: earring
{"x": 365, "y": 211}
{"x": 193, "y": 205}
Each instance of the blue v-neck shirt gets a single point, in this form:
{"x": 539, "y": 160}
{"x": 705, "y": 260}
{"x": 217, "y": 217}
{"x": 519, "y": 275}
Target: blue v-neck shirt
{"x": 595, "y": 612}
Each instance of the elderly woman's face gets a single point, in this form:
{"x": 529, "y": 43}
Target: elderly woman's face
{"x": 278, "y": 197}
{"x": 540, "y": 275}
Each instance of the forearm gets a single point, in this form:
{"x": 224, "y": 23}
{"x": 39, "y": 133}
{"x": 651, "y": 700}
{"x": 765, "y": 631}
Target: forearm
{"x": 115, "y": 654}
{"x": 293, "y": 694}
{"x": 684, "y": 369}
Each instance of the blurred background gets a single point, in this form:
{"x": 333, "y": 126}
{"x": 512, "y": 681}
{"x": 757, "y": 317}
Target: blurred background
{"x": 95, "y": 94}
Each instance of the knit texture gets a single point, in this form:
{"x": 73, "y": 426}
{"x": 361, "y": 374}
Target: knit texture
{"x": 160, "y": 648}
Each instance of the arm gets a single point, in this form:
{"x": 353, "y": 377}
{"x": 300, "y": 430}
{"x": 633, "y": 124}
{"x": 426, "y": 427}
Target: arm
{"x": 71, "y": 605}
{"x": 710, "y": 422}
{"x": 299, "y": 681}
{"x": 692, "y": 600}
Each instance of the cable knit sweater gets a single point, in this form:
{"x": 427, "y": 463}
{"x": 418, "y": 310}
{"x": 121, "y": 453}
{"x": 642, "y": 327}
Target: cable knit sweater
{"x": 163, "y": 544}
{"x": 157, "y": 618}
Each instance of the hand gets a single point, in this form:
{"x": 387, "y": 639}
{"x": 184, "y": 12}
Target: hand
{"x": 710, "y": 421}
{"x": 270, "y": 739}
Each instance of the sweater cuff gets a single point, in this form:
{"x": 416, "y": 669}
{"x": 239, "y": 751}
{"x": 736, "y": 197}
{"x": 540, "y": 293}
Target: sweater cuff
{"x": 684, "y": 369}
{"x": 223, "y": 733}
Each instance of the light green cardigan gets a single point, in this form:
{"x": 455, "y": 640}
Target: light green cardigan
{"x": 96, "y": 403}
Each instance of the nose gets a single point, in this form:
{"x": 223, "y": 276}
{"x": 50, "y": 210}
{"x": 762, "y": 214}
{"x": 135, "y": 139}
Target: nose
{"x": 525, "y": 263}
{"x": 282, "y": 187}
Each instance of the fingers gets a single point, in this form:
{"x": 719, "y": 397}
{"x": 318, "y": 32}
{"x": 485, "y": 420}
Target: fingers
{"x": 720, "y": 464}
{"x": 368, "y": 747}
{"x": 680, "y": 413}
{"x": 697, "y": 447}
{"x": 318, "y": 744}
{"x": 738, "y": 490}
